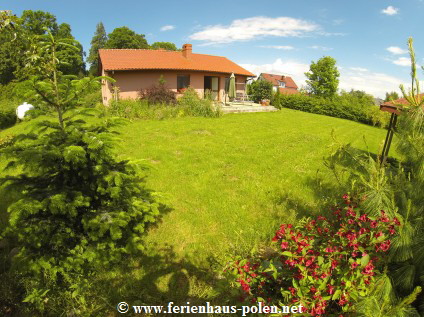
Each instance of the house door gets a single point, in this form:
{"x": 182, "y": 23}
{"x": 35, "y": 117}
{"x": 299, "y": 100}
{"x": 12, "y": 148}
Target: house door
{"x": 212, "y": 86}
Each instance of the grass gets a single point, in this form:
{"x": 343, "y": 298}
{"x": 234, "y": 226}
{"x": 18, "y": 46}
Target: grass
{"x": 230, "y": 181}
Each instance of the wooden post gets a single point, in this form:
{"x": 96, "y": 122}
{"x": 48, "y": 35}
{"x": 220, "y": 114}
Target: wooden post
{"x": 389, "y": 138}
{"x": 395, "y": 111}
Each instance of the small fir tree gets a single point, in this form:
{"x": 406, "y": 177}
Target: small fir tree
{"x": 79, "y": 208}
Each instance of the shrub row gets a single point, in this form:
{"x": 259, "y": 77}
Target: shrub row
{"x": 344, "y": 106}
{"x": 188, "y": 105}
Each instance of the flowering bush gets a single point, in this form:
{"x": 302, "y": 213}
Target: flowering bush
{"x": 325, "y": 264}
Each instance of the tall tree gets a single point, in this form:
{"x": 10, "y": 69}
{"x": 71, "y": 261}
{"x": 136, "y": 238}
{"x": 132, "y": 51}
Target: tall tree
{"x": 323, "y": 77}
{"x": 72, "y": 60}
{"x": 64, "y": 31}
{"x": 11, "y": 41}
{"x": 97, "y": 42}
{"x": 124, "y": 37}
{"x": 393, "y": 95}
{"x": 164, "y": 45}
{"x": 23, "y": 34}
{"x": 35, "y": 22}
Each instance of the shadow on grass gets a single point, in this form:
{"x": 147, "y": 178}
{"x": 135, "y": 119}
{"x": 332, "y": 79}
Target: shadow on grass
{"x": 329, "y": 185}
{"x": 160, "y": 277}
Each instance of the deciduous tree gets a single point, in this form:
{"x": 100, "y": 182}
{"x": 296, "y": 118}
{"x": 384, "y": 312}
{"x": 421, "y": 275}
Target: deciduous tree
{"x": 164, "y": 45}
{"x": 124, "y": 37}
{"x": 323, "y": 77}
{"x": 393, "y": 95}
{"x": 36, "y": 22}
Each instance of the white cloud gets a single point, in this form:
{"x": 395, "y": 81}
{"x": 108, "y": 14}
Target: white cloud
{"x": 376, "y": 84}
{"x": 279, "y": 47}
{"x": 320, "y": 48}
{"x": 358, "y": 78}
{"x": 251, "y": 28}
{"x": 390, "y": 10}
{"x": 358, "y": 69}
{"x": 338, "y": 21}
{"x": 396, "y": 50}
{"x": 167, "y": 28}
{"x": 402, "y": 61}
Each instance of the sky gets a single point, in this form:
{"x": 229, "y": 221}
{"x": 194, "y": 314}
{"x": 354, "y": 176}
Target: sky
{"x": 368, "y": 38}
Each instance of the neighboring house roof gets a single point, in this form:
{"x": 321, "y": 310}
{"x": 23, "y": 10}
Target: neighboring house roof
{"x": 289, "y": 91}
{"x": 142, "y": 59}
{"x": 401, "y": 101}
{"x": 276, "y": 79}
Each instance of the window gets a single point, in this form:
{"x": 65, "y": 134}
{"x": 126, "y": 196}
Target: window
{"x": 183, "y": 81}
{"x": 282, "y": 84}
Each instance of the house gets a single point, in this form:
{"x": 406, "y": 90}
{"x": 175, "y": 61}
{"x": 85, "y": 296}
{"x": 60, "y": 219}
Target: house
{"x": 284, "y": 84}
{"x": 138, "y": 69}
{"x": 402, "y": 101}
{"x": 396, "y": 106}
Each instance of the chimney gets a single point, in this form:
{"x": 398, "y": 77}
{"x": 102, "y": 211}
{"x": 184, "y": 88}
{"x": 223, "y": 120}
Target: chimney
{"x": 187, "y": 50}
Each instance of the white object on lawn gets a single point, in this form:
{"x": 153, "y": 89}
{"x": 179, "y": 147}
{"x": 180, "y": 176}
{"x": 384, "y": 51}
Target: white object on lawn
{"x": 22, "y": 109}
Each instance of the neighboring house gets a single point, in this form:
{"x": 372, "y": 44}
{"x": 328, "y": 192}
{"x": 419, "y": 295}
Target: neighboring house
{"x": 138, "y": 69}
{"x": 402, "y": 101}
{"x": 284, "y": 84}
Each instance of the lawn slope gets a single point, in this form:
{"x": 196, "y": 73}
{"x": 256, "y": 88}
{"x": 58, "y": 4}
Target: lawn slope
{"x": 232, "y": 180}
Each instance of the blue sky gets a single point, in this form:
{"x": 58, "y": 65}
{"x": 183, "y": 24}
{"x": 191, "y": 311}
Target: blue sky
{"x": 366, "y": 37}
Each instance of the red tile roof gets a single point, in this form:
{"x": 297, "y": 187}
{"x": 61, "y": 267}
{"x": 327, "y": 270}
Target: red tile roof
{"x": 140, "y": 59}
{"x": 275, "y": 80}
{"x": 402, "y": 101}
{"x": 289, "y": 91}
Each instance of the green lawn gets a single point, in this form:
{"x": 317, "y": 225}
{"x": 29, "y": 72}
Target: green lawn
{"x": 230, "y": 182}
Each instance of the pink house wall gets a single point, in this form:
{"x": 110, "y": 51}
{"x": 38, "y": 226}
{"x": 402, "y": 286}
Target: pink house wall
{"x": 129, "y": 83}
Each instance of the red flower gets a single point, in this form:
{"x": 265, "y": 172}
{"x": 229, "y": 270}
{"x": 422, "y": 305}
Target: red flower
{"x": 384, "y": 246}
{"x": 364, "y": 218}
{"x": 342, "y": 301}
{"x": 368, "y": 269}
{"x": 292, "y": 290}
{"x": 383, "y": 217}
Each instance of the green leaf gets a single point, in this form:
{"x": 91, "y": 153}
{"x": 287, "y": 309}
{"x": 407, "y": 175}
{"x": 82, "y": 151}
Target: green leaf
{"x": 336, "y": 294}
{"x": 365, "y": 259}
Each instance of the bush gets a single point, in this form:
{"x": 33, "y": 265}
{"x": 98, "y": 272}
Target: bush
{"x": 192, "y": 105}
{"x": 260, "y": 90}
{"x": 8, "y": 104}
{"x": 188, "y": 105}
{"x": 346, "y": 106}
{"x": 159, "y": 94}
{"x": 91, "y": 99}
{"x": 7, "y": 118}
{"x": 324, "y": 265}
{"x": 136, "y": 109}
